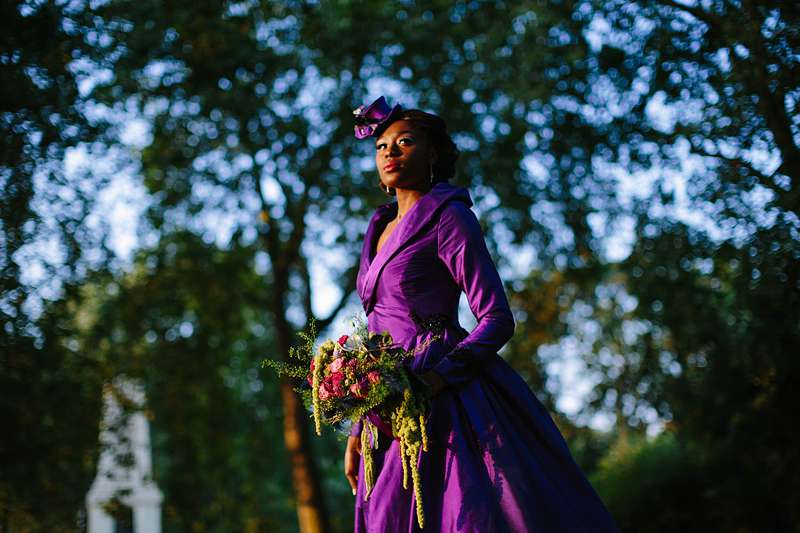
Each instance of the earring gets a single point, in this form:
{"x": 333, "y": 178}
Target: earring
{"x": 431, "y": 172}
{"x": 386, "y": 188}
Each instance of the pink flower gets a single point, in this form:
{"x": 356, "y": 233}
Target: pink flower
{"x": 336, "y": 381}
{"x": 337, "y": 364}
{"x": 310, "y": 377}
{"x": 360, "y": 389}
{"x": 325, "y": 391}
{"x": 343, "y": 339}
{"x": 374, "y": 376}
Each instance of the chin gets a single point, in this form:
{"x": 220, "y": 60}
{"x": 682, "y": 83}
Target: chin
{"x": 405, "y": 184}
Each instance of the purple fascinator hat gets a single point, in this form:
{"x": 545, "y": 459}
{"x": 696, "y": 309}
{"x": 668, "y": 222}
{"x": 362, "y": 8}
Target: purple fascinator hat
{"x": 369, "y": 118}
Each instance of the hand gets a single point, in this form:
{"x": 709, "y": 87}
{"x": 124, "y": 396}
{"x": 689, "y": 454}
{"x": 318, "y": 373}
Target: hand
{"x": 434, "y": 381}
{"x": 352, "y": 456}
{"x": 427, "y": 383}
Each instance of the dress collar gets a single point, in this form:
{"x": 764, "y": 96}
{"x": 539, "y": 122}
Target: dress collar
{"x": 417, "y": 217}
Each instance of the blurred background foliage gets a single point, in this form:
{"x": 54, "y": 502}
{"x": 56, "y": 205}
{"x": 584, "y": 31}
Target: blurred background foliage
{"x": 635, "y": 166}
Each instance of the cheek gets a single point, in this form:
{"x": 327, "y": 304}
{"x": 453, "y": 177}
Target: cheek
{"x": 417, "y": 159}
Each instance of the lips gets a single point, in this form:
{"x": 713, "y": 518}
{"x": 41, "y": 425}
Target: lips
{"x": 389, "y": 167}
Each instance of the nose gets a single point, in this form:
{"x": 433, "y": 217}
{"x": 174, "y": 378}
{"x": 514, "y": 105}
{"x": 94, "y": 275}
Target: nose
{"x": 392, "y": 150}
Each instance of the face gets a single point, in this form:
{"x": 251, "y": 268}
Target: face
{"x": 403, "y": 156}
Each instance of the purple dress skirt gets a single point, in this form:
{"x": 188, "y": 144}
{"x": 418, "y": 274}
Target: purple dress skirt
{"x": 496, "y": 461}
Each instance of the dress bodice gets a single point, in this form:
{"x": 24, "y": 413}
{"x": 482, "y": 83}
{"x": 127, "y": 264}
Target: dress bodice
{"x": 436, "y": 251}
{"x": 414, "y": 286}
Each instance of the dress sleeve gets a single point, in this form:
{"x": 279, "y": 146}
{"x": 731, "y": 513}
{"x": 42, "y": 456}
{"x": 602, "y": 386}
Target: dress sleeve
{"x": 462, "y": 249}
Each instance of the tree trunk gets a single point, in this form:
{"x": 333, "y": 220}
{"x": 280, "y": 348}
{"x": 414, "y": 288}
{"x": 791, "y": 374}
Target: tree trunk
{"x": 311, "y": 514}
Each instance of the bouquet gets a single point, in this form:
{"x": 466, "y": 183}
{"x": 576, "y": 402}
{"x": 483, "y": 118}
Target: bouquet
{"x": 363, "y": 376}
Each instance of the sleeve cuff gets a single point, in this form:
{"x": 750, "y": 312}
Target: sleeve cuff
{"x": 457, "y": 367}
{"x": 355, "y": 431}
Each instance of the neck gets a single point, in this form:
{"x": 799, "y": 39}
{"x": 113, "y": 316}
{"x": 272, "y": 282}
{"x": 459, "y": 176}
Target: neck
{"x": 406, "y": 198}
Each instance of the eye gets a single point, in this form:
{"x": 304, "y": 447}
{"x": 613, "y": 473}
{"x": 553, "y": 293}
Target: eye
{"x": 380, "y": 146}
{"x": 406, "y": 140}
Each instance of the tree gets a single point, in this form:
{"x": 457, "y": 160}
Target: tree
{"x": 234, "y": 127}
{"x": 655, "y": 484}
{"x": 717, "y": 300}
{"x": 189, "y": 320}
{"x": 726, "y": 74}
{"x": 51, "y": 389}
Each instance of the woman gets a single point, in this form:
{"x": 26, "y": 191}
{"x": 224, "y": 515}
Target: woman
{"x": 495, "y": 459}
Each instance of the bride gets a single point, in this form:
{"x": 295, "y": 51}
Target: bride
{"x": 495, "y": 459}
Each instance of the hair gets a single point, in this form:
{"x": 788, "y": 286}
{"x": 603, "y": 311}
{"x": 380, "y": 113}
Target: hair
{"x": 435, "y": 129}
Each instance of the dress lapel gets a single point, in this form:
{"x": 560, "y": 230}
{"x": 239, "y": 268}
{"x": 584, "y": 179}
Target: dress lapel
{"x": 415, "y": 220}
{"x": 383, "y": 213}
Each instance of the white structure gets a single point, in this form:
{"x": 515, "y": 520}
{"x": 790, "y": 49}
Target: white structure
{"x": 129, "y": 481}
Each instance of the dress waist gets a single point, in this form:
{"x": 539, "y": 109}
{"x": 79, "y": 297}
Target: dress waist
{"x": 408, "y": 327}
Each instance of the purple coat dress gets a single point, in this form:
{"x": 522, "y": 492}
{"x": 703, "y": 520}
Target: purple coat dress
{"x": 496, "y": 461}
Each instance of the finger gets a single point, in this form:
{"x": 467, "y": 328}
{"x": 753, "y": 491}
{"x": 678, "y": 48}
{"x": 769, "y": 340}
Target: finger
{"x": 353, "y": 482}
{"x": 354, "y": 443}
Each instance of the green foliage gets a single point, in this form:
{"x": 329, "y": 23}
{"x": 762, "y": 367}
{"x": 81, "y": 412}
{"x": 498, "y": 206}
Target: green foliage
{"x": 51, "y": 386}
{"x": 729, "y": 313}
{"x": 727, "y": 73}
{"x": 588, "y": 446}
{"x": 42, "y": 117}
{"x": 188, "y": 322}
{"x": 655, "y": 485}
{"x": 50, "y": 404}
{"x": 303, "y": 353}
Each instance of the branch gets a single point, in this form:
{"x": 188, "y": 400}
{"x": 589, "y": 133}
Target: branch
{"x": 269, "y": 235}
{"x": 784, "y": 197}
{"x": 704, "y": 16}
{"x": 307, "y": 286}
{"x": 292, "y": 252}
{"x": 349, "y": 287}
{"x": 773, "y": 106}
